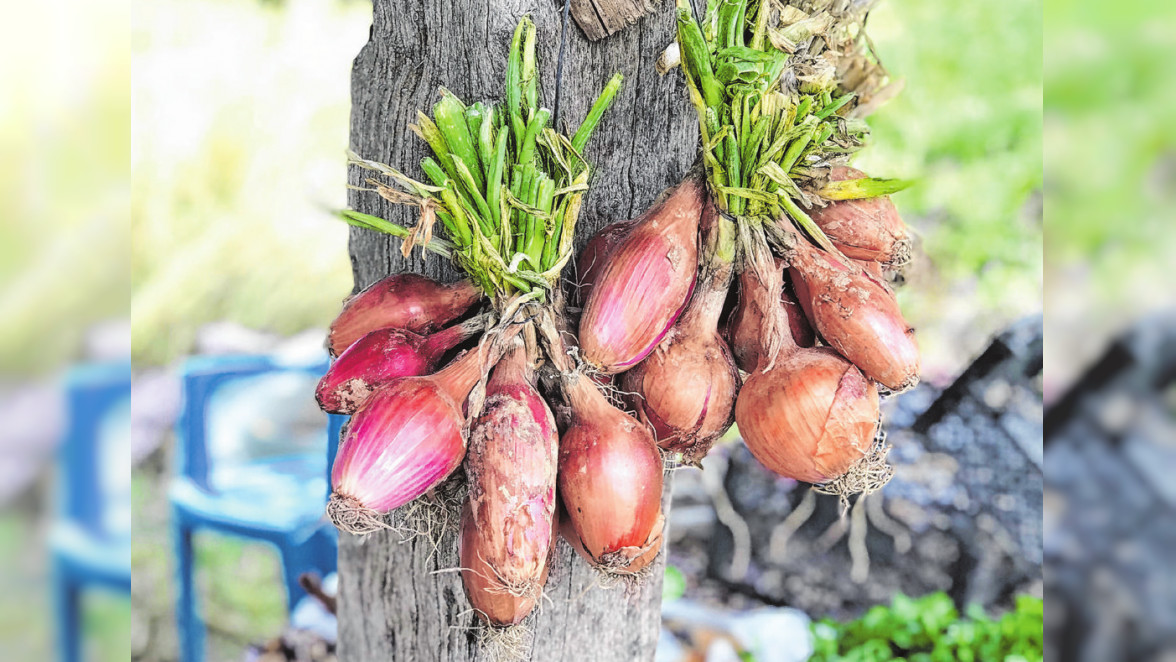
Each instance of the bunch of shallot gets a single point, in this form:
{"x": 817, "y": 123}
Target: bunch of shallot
{"x": 771, "y": 225}
{"x": 507, "y": 191}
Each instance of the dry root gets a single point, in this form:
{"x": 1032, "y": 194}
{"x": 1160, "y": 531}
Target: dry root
{"x": 432, "y": 516}
{"x": 903, "y": 252}
{"x": 866, "y": 476}
{"x": 349, "y": 515}
{"x": 503, "y": 644}
{"x": 616, "y": 567}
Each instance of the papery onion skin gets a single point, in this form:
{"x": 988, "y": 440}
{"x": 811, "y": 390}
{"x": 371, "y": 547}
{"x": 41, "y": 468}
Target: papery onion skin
{"x": 406, "y": 439}
{"x": 746, "y": 326}
{"x": 810, "y": 417}
{"x": 511, "y": 471}
{"x": 404, "y": 301}
{"x": 592, "y": 260}
{"x": 381, "y": 356}
{"x": 865, "y": 229}
{"x": 686, "y": 392}
{"x": 645, "y": 284}
{"x": 493, "y": 599}
{"x": 857, "y": 315}
{"x": 610, "y": 481}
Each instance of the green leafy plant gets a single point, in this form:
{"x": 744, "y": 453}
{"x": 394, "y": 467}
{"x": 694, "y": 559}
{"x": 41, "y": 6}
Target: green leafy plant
{"x": 930, "y": 629}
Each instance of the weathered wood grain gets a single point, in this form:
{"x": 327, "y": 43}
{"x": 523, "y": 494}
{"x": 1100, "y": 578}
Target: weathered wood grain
{"x": 391, "y": 605}
{"x": 600, "y": 18}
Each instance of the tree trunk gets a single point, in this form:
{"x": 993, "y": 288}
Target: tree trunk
{"x": 391, "y": 604}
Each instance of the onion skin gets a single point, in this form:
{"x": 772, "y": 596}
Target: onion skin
{"x": 406, "y": 439}
{"x": 610, "y": 481}
{"x": 495, "y": 602}
{"x": 645, "y": 284}
{"x": 857, "y": 315}
{"x": 511, "y": 469}
{"x": 865, "y": 229}
{"x": 685, "y": 390}
{"x": 404, "y": 301}
{"x": 810, "y": 417}
{"x": 381, "y": 356}
{"x": 592, "y": 260}
{"x": 746, "y": 326}
{"x": 874, "y": 269}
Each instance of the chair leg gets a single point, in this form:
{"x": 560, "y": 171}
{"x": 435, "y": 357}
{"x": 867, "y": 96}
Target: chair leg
{"x": 295, "y": 561}
{"x": 188, "y": 623}
{"x": 326, "y": 553}
{"x": 67, "y": 609}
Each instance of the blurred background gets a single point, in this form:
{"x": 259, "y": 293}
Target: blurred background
{"x": 218, "y": 157}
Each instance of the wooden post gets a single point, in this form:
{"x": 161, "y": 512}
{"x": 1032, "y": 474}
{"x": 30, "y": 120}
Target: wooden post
{"x": 392, "y": 605}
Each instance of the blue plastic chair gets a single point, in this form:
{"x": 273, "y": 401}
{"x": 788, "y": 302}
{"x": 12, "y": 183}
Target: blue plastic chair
{"x": 91, "y": 542}
{"x": 275, "y": 496}
{"x": 335, "y": 425}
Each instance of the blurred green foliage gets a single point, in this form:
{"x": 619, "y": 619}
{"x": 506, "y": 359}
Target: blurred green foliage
{"x": 241, "y": 123}
{"x": 64, "y": 180}
{"x": 929, "y": 629}
{"x": 1110, "y": 163}
{"x": 1110, "y": 140}
{"x": 967, "y": 125}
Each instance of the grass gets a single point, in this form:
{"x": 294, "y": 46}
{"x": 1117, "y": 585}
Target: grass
{"x": 27, "y": 628}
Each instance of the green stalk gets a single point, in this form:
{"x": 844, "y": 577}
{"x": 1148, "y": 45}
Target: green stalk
{"x": 866, "y": 187}
{"x": 494, "y": 180}
{"x": 369, "y": 222}
{"x": 449, "y": 198}
{"x": 485, "y": 134}
{"x": 450, "y": 118}
{"x": 607, "y": 95}
{"x": 807, "y": 224}
{"x": 551, "y": 243}
{"x": 753, "y": 143}
{"x": 485, "y": 217}
{"x": 728, "y": 24}
{"x": 796, "y": 148}
{"x": 451, "y": 227}
{"x": 434, "y": 171}
{"x": 759, "y": 37}
{"x": 835, "y": 106}
{"x": 527, "y": 148}
{"x": 428, "y": 131}
{"x": 474, "y": 115}
{"x": 521, "y": 187}
{"x": 531, "y": 199}
{"x": 530, "y": 79}
{"x": 543, "y": 200}
{"x": 734, "y": 174}
{"x": 696, "y": 60}
{"x": 514, "y": 80}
